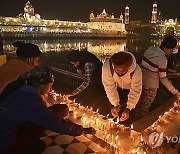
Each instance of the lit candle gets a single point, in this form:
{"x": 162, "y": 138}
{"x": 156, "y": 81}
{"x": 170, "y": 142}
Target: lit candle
{"x": 165, "y": 113}
{"x": 153, "y": 126}
{"x": 74, "y": 108}
{"x": 107, "y": 116}
{"x": 107, "y": 137}
{"x": 117, "y": 121}
{"x": 131, "y": 132}
{"x": 111, "y": 122}
{"x": 116, "y": 138}
{"x": 132, "y": 127}
{"x": 176, "y": 104}
{"x": 135, "y": 150}
{"x": 111, "y": 143}
{"x": 141, "y": 137}
{"x": 91, "y": 108}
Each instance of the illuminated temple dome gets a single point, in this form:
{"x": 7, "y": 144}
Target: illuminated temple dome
{"x": 107, "y": 23}
{"x": 29, "y": 9}
{"x": 104, "y": 17}
{"x": 30, "y": 22}
{"x": 29, "y": 12}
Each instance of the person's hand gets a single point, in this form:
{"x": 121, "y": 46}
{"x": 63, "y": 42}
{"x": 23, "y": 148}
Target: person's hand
{"x": 69, "y": 95}
{"x": 125, "y": 115}
{"x": 115, "y": 111}
{"x": 89, "y": 130}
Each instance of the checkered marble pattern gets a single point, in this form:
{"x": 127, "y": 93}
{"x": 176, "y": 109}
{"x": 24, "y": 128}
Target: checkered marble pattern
{"x": 64, "y": 144}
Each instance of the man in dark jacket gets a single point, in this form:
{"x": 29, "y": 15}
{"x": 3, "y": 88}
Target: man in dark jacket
{"x": 88, "y": 66}
{"x": 91, "y": 92}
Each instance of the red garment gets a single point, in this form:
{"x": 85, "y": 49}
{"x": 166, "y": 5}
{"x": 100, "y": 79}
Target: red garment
{"x": 27, "y": 134}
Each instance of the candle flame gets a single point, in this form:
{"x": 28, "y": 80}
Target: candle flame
{"x": 132, "y": 126}
{"x": 116, "y": 137}
{"x": 91, "y": 108}
{"x": 153, "y": 125}
{"x": 160, "y": 116}
{"x": 141, "y": 137}
{"x": 165, "y": 113}
{"x": 107, "y": 136}
{"x": 175, "y": 104}
{"x": 97, "y": 110}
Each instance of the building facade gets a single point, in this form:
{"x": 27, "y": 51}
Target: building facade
{"x": 107, "y": 24}
{"x": 168, "y": 27}
{"x": 29, "y": 22}
{"x": 164, "y": 26}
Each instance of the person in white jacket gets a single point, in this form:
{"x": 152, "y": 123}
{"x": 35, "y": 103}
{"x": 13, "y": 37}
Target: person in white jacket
{"x": 122, "y": 80}
{"x": 154, "y": 65}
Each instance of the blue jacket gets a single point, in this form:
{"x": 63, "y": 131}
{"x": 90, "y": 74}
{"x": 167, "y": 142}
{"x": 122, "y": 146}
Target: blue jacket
{"x": 25, "y": 104}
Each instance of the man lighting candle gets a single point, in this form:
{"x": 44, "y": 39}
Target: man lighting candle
{"x": 122, "y": 80}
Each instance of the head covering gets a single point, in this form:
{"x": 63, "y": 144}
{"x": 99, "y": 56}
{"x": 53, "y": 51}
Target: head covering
{"x": 169, "y": 42}
{"x": 18, "y": 43}
{"x": 34, "y": 77}
{"x": 122, "y": 58}
{"x": 28, "y": 50}
{"x": 74, "y": 56}
{"x": 37, "y": 76}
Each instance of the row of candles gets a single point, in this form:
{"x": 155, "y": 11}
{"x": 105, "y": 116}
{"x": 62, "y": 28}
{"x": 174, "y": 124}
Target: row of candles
{"x": 106, "y": 129}
{"x": 167, "y": 115}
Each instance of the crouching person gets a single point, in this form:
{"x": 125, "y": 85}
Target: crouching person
{"x": 23, "y": 113}
{"x": 154, "y": 67}
{"x": 122, "y": 80}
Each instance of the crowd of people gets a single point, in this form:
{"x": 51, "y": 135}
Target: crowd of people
{"x": 128, "y": 88}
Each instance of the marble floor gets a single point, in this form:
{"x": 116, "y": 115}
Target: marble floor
{"x": 64, "y": 144}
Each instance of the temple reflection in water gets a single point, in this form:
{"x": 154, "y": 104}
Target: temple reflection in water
{"x": 101, "y": 48}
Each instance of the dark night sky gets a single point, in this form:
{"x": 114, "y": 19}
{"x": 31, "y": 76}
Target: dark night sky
{"x": 79, "y": 10}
